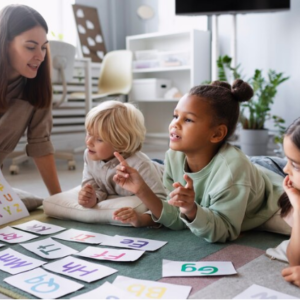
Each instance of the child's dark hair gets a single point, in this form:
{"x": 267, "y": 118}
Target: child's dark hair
{"x": 293, "y": 132}
{"x": 224, "y": 101}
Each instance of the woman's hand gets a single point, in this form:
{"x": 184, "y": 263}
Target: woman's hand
{"x": 87, "y": 196}
{"x": 293, "y": 193}
{"x": 127, "y": 177}
{"x": 184, "y": 198}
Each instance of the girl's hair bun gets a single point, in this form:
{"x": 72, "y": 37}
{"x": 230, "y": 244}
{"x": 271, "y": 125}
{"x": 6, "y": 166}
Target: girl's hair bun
{"x": 223, "y": 84}
{"x": 241, "y": 90}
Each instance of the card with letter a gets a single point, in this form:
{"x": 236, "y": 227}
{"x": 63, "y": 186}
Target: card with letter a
{"x": 11, "y": 206}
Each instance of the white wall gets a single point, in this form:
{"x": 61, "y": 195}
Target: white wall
{"x": 264, "y": 40}
{"x": 269, "y": 41}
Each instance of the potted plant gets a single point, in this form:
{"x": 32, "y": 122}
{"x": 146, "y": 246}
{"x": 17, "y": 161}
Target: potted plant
{"x": 254, "y": 113}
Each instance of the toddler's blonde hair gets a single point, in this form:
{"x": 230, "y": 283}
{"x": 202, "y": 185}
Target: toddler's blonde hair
{"x": 120, "y": 124}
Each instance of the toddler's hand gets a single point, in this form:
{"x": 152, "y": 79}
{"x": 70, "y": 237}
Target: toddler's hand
{"x": 87, "y": 196}
{"x": 127, "y": 177}
{"x": 127, "y": 215}
{"x": 184, "y": 198}
{"x": 292, "y": 274}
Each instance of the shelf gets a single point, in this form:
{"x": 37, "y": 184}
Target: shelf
{"x": 169, "y": 69}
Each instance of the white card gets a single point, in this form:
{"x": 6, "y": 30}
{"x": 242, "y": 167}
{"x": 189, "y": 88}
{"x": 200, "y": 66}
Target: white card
{"x": 111, "y": 254}
{"x": 81, "y": 236}
{"x": 106, "y": 291}
{"x": 14, "y": 262}
{"x": 259, "y": 292}
{"x": 11, "y": 206}
{"x": 152, "y": 289}
{"x": 39, "y": 227}
{"x": 12, "y": 235}
{"x": 203, "y": 268}
{"x": 80, "y": 269}
{"x": 42, "y": 284}
{"x": 49, "y": 248}
{"x": 2, "y": 245}
{"x": 133, "y": 243}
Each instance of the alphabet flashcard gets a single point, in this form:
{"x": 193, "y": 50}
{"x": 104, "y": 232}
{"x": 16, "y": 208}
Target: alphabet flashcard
{"x": 133, "y": 243}
{"x": 14, "y": 262}
{"x": 12, "y": 235}
{"x": 42, "y": 284}
{"x": 11, "y": 206}
{"x": 49, "y": 248}
{"x": 39, "y": 227}
{"x": 111, "y": 254}
{"x": 202, "y": 268}
{"x": 146, "y": 289}
{"x": 107, "y": 291}
{"x": 81, "y": 236}
{"x": 80, "y": 269}
{"x": 256, "y": 291}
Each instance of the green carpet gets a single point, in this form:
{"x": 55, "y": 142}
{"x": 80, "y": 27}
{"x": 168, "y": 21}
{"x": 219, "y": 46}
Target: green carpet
{"x": 181, "y": 246}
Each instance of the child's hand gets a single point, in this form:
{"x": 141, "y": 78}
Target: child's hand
{"x": 184, "y": 198}
{"x": 87, "y": 196}
{"x": 293, "y": 193}
{"x": 127, "y": 215}
{"x": 127, "y": 177}
{"x": 292, "y": 274}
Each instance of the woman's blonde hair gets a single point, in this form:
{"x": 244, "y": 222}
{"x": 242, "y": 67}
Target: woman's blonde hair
{"x": 120, "y": 124}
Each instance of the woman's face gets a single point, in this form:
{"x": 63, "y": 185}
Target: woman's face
{"x": 26, "y": 52}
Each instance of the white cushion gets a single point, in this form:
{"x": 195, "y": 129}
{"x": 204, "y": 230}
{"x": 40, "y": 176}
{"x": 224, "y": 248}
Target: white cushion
{"x": 279, "y": 252}
{"x": 31, "y": 201}
{"x": 65, "y": 206}
{"x": 276, "y": 224}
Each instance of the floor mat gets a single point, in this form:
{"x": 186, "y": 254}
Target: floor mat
{"x": 182, "y": 246}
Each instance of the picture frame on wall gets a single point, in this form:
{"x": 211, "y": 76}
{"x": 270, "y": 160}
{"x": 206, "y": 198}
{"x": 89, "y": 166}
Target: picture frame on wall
{"x": 89, "y": 32}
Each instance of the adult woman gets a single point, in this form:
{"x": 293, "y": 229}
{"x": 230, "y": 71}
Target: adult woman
{"x": 25, "y": 89}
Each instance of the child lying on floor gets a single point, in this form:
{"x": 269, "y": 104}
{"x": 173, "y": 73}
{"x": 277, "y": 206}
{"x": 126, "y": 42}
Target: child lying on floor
{"x": 290, "y": 200}
{"x": 114, "y": 126}
{"x": 215, "y": 190}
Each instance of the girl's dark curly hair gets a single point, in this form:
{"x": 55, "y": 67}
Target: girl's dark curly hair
{"x": 224, "y": 101}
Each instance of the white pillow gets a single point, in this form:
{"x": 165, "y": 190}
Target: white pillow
{"x": 65, "y": 206}
{"x": 276, "y": 224}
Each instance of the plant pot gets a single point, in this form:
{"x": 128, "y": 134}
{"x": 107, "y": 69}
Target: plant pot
{"x": 254, "y": 142}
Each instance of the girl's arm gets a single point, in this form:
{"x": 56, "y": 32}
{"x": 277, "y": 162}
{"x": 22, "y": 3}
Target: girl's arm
{"x": 293, "y": 249}
{"x": 129, "y": 179}
{"x": 47, "y": 169}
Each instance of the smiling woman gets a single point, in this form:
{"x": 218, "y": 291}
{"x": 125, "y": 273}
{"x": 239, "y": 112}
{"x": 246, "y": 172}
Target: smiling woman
{"x": 25, "y": 89}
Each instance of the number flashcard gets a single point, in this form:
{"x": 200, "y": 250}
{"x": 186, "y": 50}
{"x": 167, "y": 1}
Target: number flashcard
{"x": 80, "y": 269}
{"x": 80, "y": 236}
{"x": 48, "y": 248}
{"x": 39, "y": 227}
{"x": 107, "y": 291}
{"x": 14, "y": 262}
{"x": 11, "y": 206}
{"x": 111, "y": 254}
{"x": 205, "y": 268}
{"x": 146, "y": 289}
{"x": 259, "y": 292}
{"x": 133, "y": 243}
{"x": 12, "y": 235}
{"x": 42, "y": 284}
